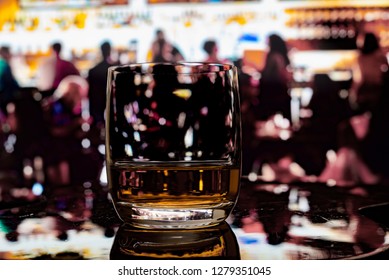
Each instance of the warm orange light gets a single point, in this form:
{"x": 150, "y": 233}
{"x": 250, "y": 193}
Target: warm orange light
{"x": 8, "y": 10}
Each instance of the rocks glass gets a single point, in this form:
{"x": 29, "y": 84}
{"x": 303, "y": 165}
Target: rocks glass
{"x": 173, "y": 143}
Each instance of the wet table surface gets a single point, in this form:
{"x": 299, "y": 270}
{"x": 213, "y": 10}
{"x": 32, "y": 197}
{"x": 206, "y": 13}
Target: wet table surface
{"x": 270, "y": 221}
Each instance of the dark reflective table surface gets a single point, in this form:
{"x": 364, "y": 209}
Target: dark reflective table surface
{"x": 271, "y": 221}
{"x": 218, "y": 242}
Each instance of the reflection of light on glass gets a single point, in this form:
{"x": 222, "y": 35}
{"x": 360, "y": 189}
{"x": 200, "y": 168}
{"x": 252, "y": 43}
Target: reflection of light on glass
{"x": 183, "y": 93}
{"x": 171, "y": 155}
{"x": 142, "y": 127}
{"x": 228, "y": 121}
{"x": 303, "y": 204}
{"x": 85, "y": 127}
{"x": 306, "y": 96}
{"x": 351, "y": 33}
{"x": 295, "y": 111}
{"x": 10, "y": 108}
{"x": 331, "y": 156}
{"x": 137, "y": 136}
{"x": 85, "y": 143}
{"x": 331, "y": 183}
{"x": 37, "y": 96}
{"x": 199, "y": 153}
{"x": 343, "y": 94}
{"x": 281, "y": 122}
{"x": 103, "y": 175}
{"x": 37, "y": 189}
{"x": 85, "y": 109}
{"x": 181, "y": 120}
{"x": 137, "y": 79}
{"x": 281, "y": 189}
{"x": 268, "y": 173}
{"x": 293, "y": 200}
{"x": 9, "y": 144}
{"x": 186, "y": 79}
{"x": 135, "y": 107}
{"x": 38, "y": 166}
{"x": 125, "y": 135}
{"x": 296, "y": 169}
{"x": 253, "y": 177}
{"x": 188, "y": 154}
{"x": 340, "y": 75}
{"x": 306, "y": 113}
{"x": 285, "y": 134}
{"x": 166, "y": 174}
{"x": 38, "y": 162}
{"x": 128, "y": 113}
{"x": 188, "y": 139}
{"x": 149, "y": 93}
{"x": 201, "y": 183}
{"x": 128, "y": 150}
{"x": 182, "y": 215}
{"x": 147, "y": 79}
{"x": 28, "y": 171}
{"x": 162, "y": 121}
{"x": 101, "y": 149}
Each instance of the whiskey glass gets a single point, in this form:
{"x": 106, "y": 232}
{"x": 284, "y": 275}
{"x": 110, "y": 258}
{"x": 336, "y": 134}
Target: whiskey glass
{"x": 173, "y": 143}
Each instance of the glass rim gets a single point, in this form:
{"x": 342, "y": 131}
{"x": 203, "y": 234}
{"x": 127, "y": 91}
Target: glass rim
{"x": 199, "y": 67}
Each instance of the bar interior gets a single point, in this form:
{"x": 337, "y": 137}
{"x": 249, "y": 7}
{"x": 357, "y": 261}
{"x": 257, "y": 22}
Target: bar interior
{"x": 314, "y": 88}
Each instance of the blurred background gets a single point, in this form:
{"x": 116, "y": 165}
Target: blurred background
{"x": 291, "y": 123}
{"x": 313, "y": 84}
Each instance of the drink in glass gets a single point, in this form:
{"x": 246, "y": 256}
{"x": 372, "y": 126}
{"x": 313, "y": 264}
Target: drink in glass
{"x": 173, "y": 143}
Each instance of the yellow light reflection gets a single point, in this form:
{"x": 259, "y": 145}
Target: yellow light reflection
{"x": 201, "y": 183}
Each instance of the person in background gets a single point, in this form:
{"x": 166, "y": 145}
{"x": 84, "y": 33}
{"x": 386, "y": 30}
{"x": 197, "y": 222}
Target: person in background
{"x": 177, "y": 55}
{"x": 368, "y": 73}
{"x": 9, "y": 87}
{"x": 164, "y": 51}
{"x": 275, "y": 79}
{"x": 97, "y": 79}
{"x": 212, "y": 50}
{"x": 64, "y": 117}
{"x": 161, "y": 49}
{"x": 53, "y": 70}
{"x": 362, "y": 156}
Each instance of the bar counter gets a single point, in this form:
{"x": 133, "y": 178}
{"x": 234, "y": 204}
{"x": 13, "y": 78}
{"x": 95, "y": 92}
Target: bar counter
{"x": 271, "y": 221}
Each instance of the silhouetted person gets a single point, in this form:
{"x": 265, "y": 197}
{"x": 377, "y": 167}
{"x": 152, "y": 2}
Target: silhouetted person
{"x": 161, "y": 49}
{"x": 64, "y": 116}
{"x": 54, "y": 69}
{"x": 275, "y": 77}
{"x": 212, "y": 50}
{"x": 363, "y": 151}
{"x": 368, "y": 73}
{"x": 164, "y": 51}
{"x": 97, "y": 79}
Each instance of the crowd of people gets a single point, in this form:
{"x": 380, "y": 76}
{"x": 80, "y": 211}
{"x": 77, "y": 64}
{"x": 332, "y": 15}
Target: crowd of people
{"x": 72, "y": 108}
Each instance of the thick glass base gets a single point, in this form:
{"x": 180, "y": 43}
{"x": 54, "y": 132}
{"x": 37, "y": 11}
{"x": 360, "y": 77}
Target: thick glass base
{"x": 172, "y": 218}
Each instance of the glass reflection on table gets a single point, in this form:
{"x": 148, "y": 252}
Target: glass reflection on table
{"x": 218, "y": 242}
{"x": 311, "y": 221}
{"x": 270, "y": 221}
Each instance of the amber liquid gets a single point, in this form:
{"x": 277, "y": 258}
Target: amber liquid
{"x": 170, "y": 189}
